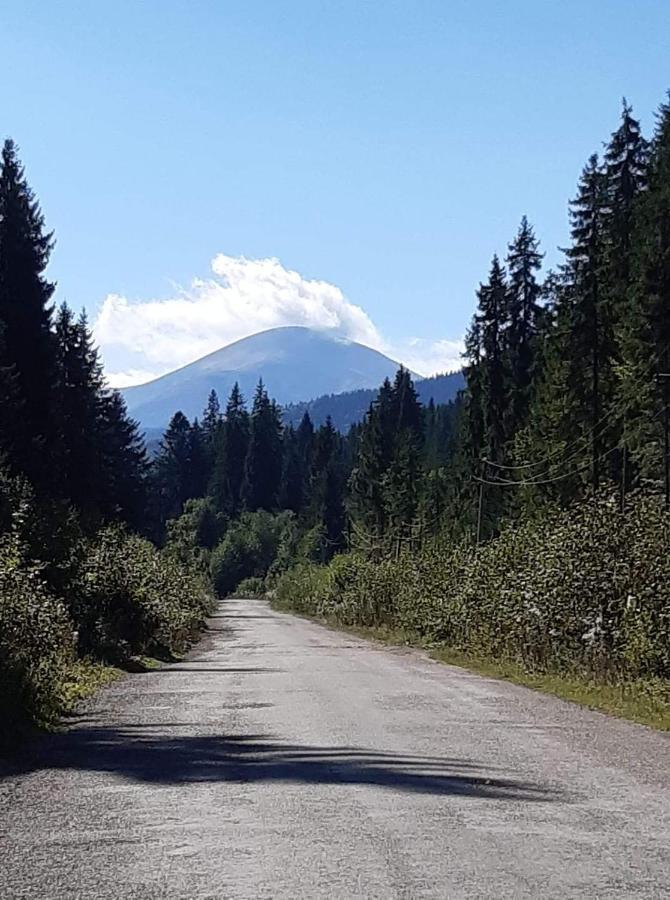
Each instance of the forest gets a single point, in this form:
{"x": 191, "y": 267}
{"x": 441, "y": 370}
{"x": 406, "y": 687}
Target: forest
{"x": 526, "y": 523}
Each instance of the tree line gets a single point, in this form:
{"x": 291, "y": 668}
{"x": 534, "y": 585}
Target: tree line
{"x": 61, "y": 428}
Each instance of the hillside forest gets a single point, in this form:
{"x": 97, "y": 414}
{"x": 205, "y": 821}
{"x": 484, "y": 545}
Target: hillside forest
{"x": 525, "y": 523}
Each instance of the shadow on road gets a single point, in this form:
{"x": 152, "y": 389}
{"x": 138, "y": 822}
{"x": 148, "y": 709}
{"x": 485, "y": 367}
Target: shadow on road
{"x": 138, "y": 753}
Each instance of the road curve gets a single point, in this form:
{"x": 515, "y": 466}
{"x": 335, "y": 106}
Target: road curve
{"x": 285, "y": 760}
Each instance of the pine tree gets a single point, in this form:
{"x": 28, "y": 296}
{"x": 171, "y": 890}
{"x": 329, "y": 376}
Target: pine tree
{"x": 292, "y": 485}
{"x": 263, "y": 464}
{"x": 523, "y": 313}
{"x": 626, "y": 159}
{"x": 373, "y": 457}
{"x": 77, "y": 400}
{"x": 212, "y": 422}
{"x": 25, "y": 316}
{"x": 198, "y": 461}
{"x": 124, "y": 472}
{"x": 230, "y": 454}
{"x": 172, "y": 468}
{"x": 645, "y": 331}
{"x": 491, "y": 315}
{"x": 327, "y": 488}
{"x": 591, "y": 345}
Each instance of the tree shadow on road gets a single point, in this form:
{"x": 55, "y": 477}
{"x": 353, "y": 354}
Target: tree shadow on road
{"x": 141, "y": 753}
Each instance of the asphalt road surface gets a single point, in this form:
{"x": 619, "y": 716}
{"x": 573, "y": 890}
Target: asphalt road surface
{"x": 285, "y": 760}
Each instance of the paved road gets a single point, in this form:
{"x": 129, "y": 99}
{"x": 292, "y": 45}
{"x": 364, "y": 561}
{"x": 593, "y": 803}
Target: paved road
{"x": 284, "y": 760}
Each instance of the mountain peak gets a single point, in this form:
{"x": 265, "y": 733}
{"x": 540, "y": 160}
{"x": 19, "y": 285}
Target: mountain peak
{"x": 295, "y": 362}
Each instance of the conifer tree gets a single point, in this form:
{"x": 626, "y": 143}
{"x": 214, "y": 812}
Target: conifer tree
{"x": 293, "y": 478}
{"x": 230, "y": 454}
{"x": 125, "y": 468}
{"x": 77, "y": 396}
{"x": 25, "y": 316}
{"x": 523, "y": 314}
{"x": 373, "y": 457}
{"x": 590, "y": 345}
{"x": 327, "y": 487}
{"x": 212, "y": 422}
{"x": 645, "y": 332}
{"x": 263, "y": 464}
{"x": 491, "y": 315}
{"x": 198, "y": 462}
{"x": 173, "y": 468}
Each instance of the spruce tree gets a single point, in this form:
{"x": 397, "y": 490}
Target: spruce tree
{"x": 645, "y": 331}
{"x": 327, "y": 488}
{"x": 491, "y": 316}
{"x": 523, "y": 313}
{"x": 374, "y": 452}
{"x": 590, "y": 343}
{"x": 77, "y": 395}
{"x": 172, "y": 468}
{"x": 230, "y": 454}
{"x": 263, "y": 464}
{"x": 212, "y": 422}
{"x": 25, "y": 318}
{"x": 125, "y": 468}
{"x": 198, "y": 461}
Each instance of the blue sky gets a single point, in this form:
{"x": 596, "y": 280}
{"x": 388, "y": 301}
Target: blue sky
{"x": 381, "y": 151}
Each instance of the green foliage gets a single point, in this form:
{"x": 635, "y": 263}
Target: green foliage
{"x": 583, "y": 590}
{"x": 248, "y": 549}
{"x": 192, "y": 536}
{"x": 251, "y": 587}
{"x": 131, "y": 598}
{"x": 36, "y": 642}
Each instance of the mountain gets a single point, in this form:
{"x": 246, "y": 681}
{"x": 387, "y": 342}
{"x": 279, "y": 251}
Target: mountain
{"x": 349, "y": 408}
{"x": 295, "y": 364}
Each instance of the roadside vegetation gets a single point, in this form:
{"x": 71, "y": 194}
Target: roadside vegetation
{"x": 81, "y": 590}
{"x": 523, "y": 529}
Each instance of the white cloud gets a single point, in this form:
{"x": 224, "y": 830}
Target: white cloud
{"x": 131, "y": 377}
{"x": 429, "y": 357}
{"x": 143, "y": 339}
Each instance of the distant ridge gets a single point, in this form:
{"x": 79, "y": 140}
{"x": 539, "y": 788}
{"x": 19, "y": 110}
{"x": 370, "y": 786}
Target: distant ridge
{"x": 295, "y": 363}
{"x": 349, "y": 408}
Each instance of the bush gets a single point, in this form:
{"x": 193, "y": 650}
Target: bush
{"x": 132, "y": 598}
{"x": 251, "y": 587}
{"x": 192, "y": 536}
{"x": 586, "y": 589}
{"x": 36, "y": 643}
{"x": 248, "y": 549}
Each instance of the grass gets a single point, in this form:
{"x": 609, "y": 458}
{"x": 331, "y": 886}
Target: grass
{"x": 84, "y": 678}
{"x": 644, "y": 701}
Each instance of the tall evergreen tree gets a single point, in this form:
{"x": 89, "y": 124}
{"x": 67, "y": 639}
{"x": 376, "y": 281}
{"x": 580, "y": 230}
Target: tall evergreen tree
{"x": 590, "y": 345}
{"x": 263, "y": 464}
{"x": 172, "y": 468}
{"x": 77, "y": 396}
{"x": 212, "y": 422}
{"x": 645, "y": 331}
{"x": 523, "y": 315}
{"x": 373, "y": 457}
{"x": 491, "y": 315}
{"x": 124, "y": 472}
{"x": 25, "y": 316}
{"x": 230, "y": 454}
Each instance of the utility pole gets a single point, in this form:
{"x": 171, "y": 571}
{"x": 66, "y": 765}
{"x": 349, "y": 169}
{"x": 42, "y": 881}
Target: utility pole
{"x": 480, "y": 504}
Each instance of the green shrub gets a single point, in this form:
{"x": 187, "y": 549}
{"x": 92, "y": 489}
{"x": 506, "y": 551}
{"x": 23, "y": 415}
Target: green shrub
{"x": 36, "y": 643}
{"x": 251, "y": 587}
{"x": 192, "y": 536}
{"x": 248, "y": 549}
{"x": 133, "y": 599}
{"x": 585, "y": 589}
